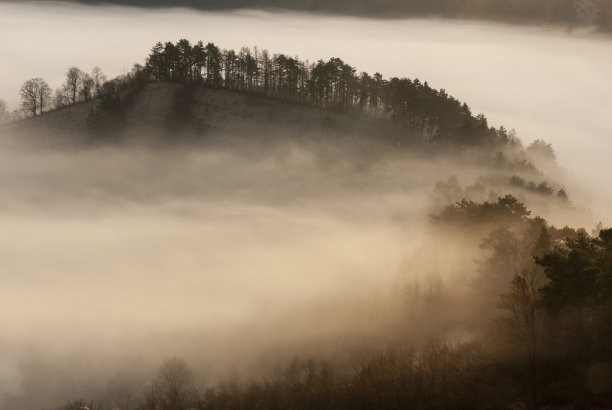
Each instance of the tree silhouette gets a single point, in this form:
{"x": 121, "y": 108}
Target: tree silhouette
{"x": 99, "y": 78}
{"x": 520, "y": 322}
{"x": 541, "y": 150}
{"x": 425, "y": 112}
{"x": 88, "y": 85}
{"x": 107, "y": 116}
{"x": 35, "y": 96}
{"x": 173, "y": 387}
{"x": 422, "y": 112}
{"x": 72, "y": 84}
{"x": 213, "y": 65}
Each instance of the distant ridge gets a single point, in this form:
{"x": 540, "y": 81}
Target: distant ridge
{"x": 570, "y": 12}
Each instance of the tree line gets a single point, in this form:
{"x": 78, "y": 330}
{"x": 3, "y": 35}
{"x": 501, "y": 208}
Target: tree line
{"x": 37, "y": 96}
{"x": 552, "y": 288}
{"x": 433, "y": 115}
{"x": 428, "y": 114}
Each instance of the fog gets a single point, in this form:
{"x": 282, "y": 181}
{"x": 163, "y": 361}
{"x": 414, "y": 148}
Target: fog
{"x": 113, "y": 258}
{"x": 544, "y": 82}
{"x": 237, "y": 256}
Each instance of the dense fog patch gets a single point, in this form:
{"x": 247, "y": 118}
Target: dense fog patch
{"x": 235, "y": 258}
{"x": 117, "y": 252}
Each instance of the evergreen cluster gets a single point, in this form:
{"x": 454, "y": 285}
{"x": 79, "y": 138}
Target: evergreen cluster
{"x": 430, "y": 114}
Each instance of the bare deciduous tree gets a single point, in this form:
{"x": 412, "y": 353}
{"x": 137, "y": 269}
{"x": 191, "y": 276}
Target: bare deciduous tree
{"x": 173, "y": 389}
{"x": 520, "y": 322}
{"x": 29, "y": 96}
{"x": 72, "y": 85}
{"x": 87, "y": 86}
{"x": 99, "y": 79}
{"x": 35, "y": 96}
{"x": 59, "y": 99}
{"x": 44, "y": 96}
{"x": 82, "y": 405}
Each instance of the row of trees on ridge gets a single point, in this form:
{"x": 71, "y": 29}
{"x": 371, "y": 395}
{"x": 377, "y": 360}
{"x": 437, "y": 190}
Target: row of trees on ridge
{"x": 38, "y": 97}
{"x": 333, "y": 84}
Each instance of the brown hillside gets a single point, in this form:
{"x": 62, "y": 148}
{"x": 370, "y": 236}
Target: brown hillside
{"x": 167, "y": 110}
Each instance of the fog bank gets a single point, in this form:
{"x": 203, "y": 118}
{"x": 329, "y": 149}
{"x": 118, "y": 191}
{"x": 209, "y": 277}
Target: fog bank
{"x": 236, "y": 256}
{"x": 118, "y": 255}
{"x": 546, "y": 83}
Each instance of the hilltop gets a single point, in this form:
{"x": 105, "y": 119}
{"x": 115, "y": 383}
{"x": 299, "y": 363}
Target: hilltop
{"x": 189, "y": 95}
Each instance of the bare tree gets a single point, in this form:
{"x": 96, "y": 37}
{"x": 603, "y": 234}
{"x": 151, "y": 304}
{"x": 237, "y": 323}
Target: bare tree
{"x": 59, "y": 99}
{"x": 99, "y": 79}
{"x": 82, "y": 405}
{"x": 44, "y": 96}
{"x": 521, "y": 320}
{"x": 29, "y": 96}
{"x": 87, "y": 86}
{"x": 122, "y": 391}
{"x": 35, "y": 96}
{"x": 173, "y": 389}
{"x": 72, "y": 85}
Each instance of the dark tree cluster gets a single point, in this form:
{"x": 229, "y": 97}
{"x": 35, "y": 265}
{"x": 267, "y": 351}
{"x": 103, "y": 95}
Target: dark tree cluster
{"x": 517, "y": 163}
{"x": 35, "y": 96}
{"x": 541, "y": 150}
{"x": 577, "y": 300}
{"x": 79, "y": 86}
{"x": 439, "y": 375}
{"x": 106, "y": 118}
{"x": 553, "y": 287}
{"x": 542, "y": 188}
{"x": 467, "y": 213}
{"x": 431, "y": 114}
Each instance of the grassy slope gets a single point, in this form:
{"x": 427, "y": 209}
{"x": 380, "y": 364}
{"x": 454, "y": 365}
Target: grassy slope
{"x": 168, "y": 110}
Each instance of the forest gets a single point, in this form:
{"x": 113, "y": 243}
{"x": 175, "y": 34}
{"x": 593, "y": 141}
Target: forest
{"x": 547, "y": 345}
{"x": 431, "y": 114}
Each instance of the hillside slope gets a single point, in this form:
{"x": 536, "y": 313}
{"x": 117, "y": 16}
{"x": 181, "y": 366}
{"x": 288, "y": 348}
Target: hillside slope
{"x": 166, "y": 111}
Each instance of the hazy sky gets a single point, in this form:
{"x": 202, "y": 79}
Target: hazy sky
{"x": 546, "y": 83}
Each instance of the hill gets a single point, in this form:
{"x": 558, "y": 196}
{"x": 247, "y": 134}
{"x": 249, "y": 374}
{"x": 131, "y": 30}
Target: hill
{"x": 157, "y": 111}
